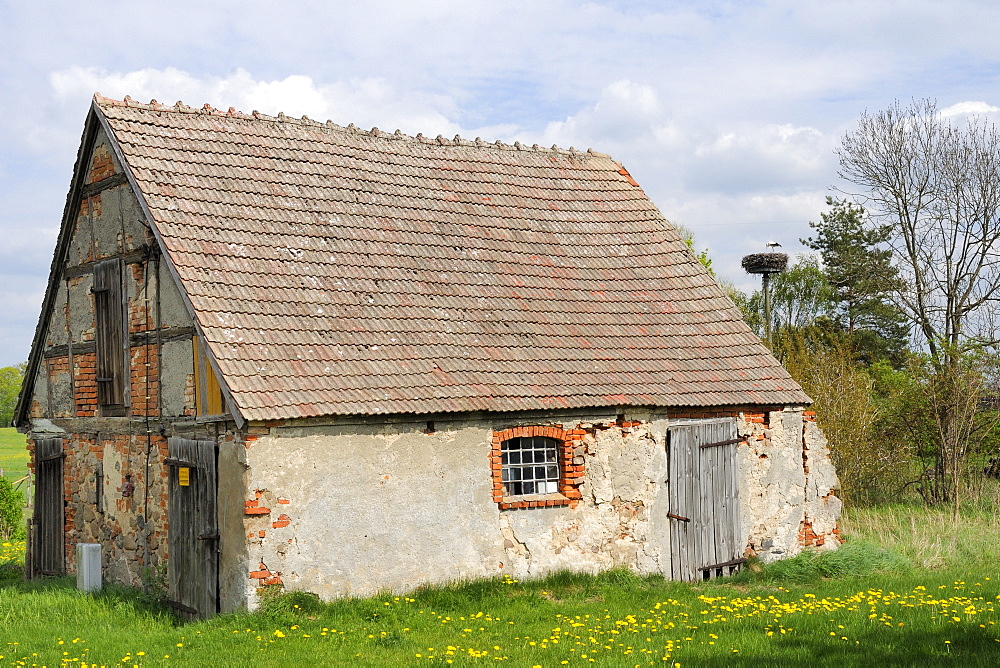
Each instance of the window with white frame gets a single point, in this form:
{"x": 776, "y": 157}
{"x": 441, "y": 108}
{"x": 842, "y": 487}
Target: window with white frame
{"x": 530, "y": 465}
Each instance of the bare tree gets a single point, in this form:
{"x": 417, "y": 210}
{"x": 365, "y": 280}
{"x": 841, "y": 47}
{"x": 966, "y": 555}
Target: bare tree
{"x": 936, "y": 185}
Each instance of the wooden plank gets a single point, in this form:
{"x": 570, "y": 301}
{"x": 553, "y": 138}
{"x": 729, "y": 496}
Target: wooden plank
{"x": 214, "y": 390}
{"x": 671, "y": 501}
{"x": 693, "y": 502}
{"x": 675, "y": 439}
{"x": 207, "y": 537}
{"x": 200, "y": 382}
{"x": 734, "y": 514}
{"x": 722, "y": 494}
{"x": 132, "y": 257}
{"x": 703, "y": 485}
{"x": 686, "y": 506}
{"x": 710, "y": 500}
{"x": 731, "y": 562}
{"x": 688, "y": 547}
{"x": 112, "y": 181}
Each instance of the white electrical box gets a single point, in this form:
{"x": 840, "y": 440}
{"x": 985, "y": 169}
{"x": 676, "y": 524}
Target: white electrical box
{"x": 88, "y": 566}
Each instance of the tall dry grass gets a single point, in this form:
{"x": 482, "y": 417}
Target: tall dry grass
{"x": 928, "y": 536}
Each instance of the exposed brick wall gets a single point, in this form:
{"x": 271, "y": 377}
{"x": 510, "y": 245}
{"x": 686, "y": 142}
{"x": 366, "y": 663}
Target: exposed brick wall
{"x": 85, "y": 384}
{"x": 809, "y": 538}
{"x": 266, "y": 515}
{"x": 132, "y": 529}
{"x": 145, "y": 381}
{"x": 92, "y": 207}
{"x": 101, "y": 166}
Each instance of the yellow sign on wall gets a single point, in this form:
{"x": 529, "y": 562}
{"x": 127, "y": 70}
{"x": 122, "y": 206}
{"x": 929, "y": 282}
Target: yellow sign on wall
{"x": 184, "y": 476}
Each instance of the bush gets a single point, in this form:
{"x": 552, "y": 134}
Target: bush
{"x": 11, "y": 511}
{"x": 865, "y": 419}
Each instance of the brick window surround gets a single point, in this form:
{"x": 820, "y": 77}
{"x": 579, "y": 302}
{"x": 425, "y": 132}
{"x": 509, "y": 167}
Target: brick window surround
{"x": 570, "y": 474}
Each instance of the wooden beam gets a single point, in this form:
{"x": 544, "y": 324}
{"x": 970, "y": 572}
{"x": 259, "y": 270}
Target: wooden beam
{"x": 112, "y": 181}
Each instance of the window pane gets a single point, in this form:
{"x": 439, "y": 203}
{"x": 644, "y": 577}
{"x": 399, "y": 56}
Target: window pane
{"x": 530, "y": 465}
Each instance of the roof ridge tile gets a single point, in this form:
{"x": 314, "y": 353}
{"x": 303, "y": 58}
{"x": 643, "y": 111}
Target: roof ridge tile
{"x": 281, "y": 117}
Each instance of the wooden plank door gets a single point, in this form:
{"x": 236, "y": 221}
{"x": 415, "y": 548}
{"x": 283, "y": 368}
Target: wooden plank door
{"x": 192, "y": 528}
{"x": 48, "y": 521}
{"x": 703, "y": 498}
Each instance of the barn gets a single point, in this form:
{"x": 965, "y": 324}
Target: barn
{"x": 275, "y": 352}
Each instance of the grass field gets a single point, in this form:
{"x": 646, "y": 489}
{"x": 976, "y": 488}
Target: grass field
{"x": 928, "y": 594}
{"x": 13, "y": 455}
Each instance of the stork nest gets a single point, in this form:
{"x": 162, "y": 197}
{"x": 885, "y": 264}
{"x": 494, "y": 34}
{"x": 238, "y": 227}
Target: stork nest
{"x": 765, "y": 263}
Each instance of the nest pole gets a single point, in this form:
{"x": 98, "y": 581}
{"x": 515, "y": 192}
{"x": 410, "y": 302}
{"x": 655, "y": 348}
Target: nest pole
{"x": 766, "y": 278}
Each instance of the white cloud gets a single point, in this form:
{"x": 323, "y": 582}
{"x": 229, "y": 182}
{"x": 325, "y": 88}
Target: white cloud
{"x": 626, "y": 113}
{"x": 969, "y": 109}
{"x": 766, "y": 157}
{"x": 362, "y": 101}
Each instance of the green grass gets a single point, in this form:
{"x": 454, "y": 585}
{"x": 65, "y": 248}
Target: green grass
{"x": 13, "y": 453}
{"x": 870, "y": 603}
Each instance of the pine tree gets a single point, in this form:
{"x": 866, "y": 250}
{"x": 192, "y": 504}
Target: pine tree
{"x": 859, "y": 269}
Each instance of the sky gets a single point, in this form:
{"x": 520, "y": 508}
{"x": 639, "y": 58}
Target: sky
{"x": 727, "y": 113}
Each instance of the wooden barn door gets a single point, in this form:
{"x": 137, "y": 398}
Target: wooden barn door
{"x": 192, "y": 528}
{"x": 48, "y": 546}
{"x": 703, "y": 499}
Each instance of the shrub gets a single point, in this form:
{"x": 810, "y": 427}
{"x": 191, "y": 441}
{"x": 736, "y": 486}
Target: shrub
{"x": 11, "y": 511}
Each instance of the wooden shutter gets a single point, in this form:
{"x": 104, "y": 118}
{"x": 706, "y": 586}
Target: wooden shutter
{"x": 208, "y": 392}
{"x": 48, "y": 544}
{"x": 110, "y": 316}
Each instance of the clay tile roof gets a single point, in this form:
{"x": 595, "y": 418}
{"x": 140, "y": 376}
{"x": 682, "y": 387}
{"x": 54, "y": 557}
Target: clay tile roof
{"x": 338, "y": 271}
